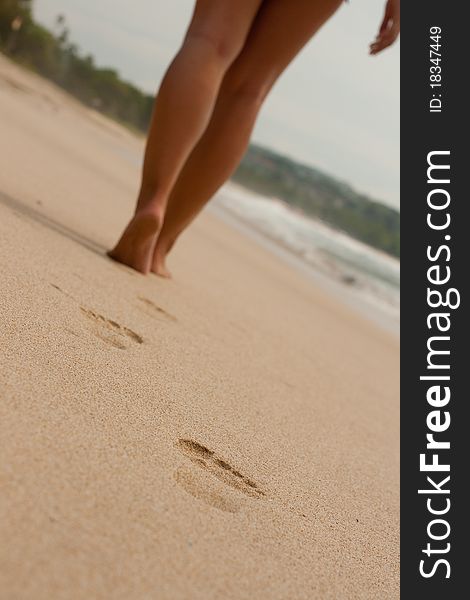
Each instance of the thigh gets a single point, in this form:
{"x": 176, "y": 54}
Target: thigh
{"x": 278, "y": 33}
{"x": 223, "y": 23}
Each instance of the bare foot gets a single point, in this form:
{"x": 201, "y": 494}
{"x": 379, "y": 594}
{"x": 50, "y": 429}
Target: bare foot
{"x": 159, "y": 266}
{"x": 159, "y": 259}
{"x": 137, "y": 243}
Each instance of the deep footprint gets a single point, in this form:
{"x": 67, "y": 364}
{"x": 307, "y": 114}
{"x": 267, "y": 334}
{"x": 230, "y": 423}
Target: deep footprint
{"x": 153, "y": 309}
{"x": 208, "y": 460}
{"x": 112, "y": 333}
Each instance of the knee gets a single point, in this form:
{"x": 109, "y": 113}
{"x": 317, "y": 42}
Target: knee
{"x": 215, "y": 50}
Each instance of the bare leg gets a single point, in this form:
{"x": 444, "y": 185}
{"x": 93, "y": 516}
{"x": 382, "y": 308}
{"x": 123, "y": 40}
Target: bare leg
{"x": 182, "y": 110}
{"x": 280, "y": 30}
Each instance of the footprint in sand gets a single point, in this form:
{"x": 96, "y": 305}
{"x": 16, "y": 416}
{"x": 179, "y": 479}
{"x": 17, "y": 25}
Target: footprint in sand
{"x": 59, "y": 289}
{"x": 152, "y": 309}
{"x": 112, "y": 333}
{"x": 205, "y": 490}
{"x": 214, "y": 465}
{"x": 56, "y": 287}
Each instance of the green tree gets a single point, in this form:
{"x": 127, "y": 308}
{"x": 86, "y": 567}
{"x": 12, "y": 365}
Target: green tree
{"x": 13, "y": 16}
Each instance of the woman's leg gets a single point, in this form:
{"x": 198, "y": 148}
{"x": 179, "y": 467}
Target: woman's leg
{"x": 182, "y": 110}
{"x": 280, "y": 30}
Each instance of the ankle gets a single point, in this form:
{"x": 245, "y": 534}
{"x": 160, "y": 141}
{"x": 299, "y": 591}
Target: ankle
{"x": 163, "y": 246}
{"x": 150, "y": 199}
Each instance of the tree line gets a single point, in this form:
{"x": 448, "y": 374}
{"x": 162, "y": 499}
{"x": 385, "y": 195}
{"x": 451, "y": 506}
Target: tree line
{"x": 55, "y": 56}
{"x": 321, "y": 196}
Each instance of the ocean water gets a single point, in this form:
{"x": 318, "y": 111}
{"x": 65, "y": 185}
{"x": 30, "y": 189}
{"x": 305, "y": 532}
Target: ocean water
{"x": 371, "y": 276}
{"x": 364, "y": 277}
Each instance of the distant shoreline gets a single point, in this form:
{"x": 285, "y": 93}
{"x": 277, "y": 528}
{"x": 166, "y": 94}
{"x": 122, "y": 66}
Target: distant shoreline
{"x": 345, "y": 294}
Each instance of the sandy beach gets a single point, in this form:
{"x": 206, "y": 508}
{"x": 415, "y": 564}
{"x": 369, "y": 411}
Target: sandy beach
{"x": 229, "y": 434}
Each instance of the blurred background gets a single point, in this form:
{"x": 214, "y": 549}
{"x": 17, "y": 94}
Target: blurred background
{"x": 321, "y": 178}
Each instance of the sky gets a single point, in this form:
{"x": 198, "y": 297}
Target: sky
{"x": 335, "y": 108}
